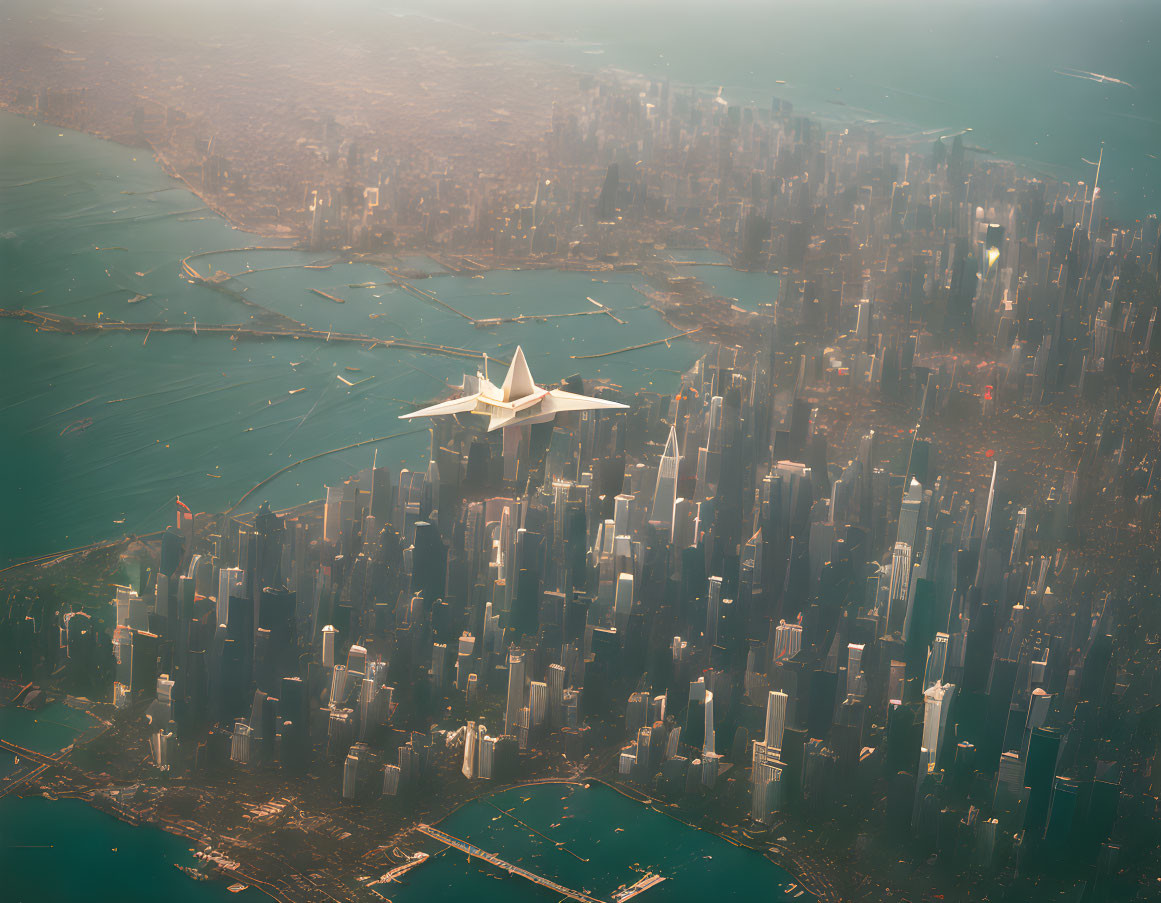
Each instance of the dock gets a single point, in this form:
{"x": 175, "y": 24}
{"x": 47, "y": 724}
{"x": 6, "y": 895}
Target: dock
{"x": 488, "y": 322}
{"x": 193, "y": 275}
{"x": 428, "y": 296}
{"x": 672, "y": 338}
{"x": 493, "y": 859}
{"x": 604, "y": 309}
{"x": 400, "y": 870}
{"x": 647, "y": 881}
{"x": 34, "y": 765}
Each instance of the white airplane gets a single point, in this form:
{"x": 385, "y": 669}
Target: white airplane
{"x": 517, "y": 402}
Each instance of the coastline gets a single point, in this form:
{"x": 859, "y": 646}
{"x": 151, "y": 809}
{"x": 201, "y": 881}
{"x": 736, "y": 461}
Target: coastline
{"x": 791, "y": 862}
{"x": 849, "y": 381}
{"x": 234, "y": 866}
{"x": 162, "y": 161}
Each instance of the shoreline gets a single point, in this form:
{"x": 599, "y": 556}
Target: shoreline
{"x": 790, "y": 862}
{"x": 770, "y": 853}
{"x": 918, "y": 135}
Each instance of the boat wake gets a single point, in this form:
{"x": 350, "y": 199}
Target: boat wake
{"x": 1092, "y": 77}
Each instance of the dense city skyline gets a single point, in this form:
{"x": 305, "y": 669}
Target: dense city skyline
{"x": 869, "y": 590}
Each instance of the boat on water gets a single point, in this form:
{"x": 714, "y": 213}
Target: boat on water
{"x": 238, "y": 888}
{"x": 77, "y": 426}
{"x": 192, "y": 872}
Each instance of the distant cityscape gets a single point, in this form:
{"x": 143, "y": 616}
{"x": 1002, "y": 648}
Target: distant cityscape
{"x": 874, "y": 593}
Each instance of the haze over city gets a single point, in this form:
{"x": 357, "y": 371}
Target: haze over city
{"x": 581, "y": 452}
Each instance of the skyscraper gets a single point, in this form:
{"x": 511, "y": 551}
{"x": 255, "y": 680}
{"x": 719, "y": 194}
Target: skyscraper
{"x": 665, "y": 493}
{"x": 1043, "y": 751}
{"x": 936, "y": 661}
{"x": 767, "y": 792}
{"x": 775, "y": 720}
{"x": 937, "y": 701}
{"x": 515, "y": 691}
{"x": 899, "y": 589}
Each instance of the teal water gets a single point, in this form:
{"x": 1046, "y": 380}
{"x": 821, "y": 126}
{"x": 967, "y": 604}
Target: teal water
{"x": 913, "y": 68}
{"x": 748, "y": 290}
{"x": 53, "y": 851}
{"x": 608, "y": 841}
{"x": 45, "y": 731}
{"x": 65, "y": 850}
{"x": 88, "y": 224}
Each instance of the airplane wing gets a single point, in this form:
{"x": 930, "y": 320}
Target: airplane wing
{"x": 559, "y": 400}
{"x": 554, "y": 401}
{"x": 455, "y": 406}
{"x": 500, "y": 419}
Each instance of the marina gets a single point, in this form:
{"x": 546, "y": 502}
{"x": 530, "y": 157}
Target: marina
{"x": 531, "y": 827}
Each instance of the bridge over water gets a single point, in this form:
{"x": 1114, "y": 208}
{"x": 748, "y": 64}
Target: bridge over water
{"x": 34, "y": 764}
{"x": 511, "y": 869}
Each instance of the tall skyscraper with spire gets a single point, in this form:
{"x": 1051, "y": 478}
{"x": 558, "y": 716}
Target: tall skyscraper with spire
{"x": 665, "y": 494}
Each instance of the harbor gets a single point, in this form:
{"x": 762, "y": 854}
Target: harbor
{"x": 661, "y": 860}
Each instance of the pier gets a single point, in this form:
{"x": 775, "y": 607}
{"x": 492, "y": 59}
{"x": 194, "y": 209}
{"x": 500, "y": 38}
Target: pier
{"x": 428, "y": 296}
{"x": 193, "y": 275}
{"x": 398, "y": 280}
{"x": 649, "y": 880}
{"x": 37, "y": 763}
{"x": 511, "y": 869}
{"x": 672, "y": 338}
{"x": 488, "y": 322}
{"x": 58, "y": 323}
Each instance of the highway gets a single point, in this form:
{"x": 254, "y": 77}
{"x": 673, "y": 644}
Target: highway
{"x": 511, "y": 869}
